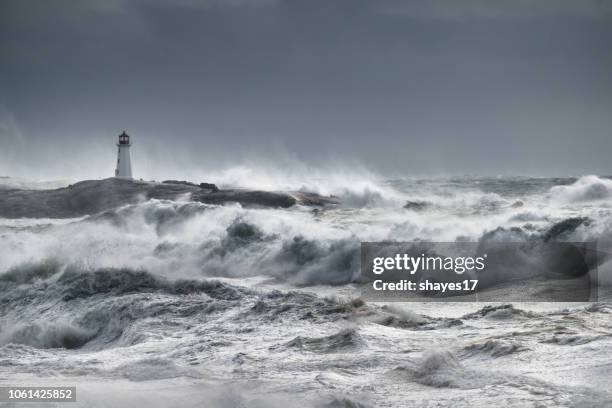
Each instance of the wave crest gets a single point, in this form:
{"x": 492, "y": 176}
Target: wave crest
{"x": 586, "y": 188}
{"x": 47, "y": 335}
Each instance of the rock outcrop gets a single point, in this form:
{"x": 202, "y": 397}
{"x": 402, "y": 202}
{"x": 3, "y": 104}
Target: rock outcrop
{"x": 93, "y": 196}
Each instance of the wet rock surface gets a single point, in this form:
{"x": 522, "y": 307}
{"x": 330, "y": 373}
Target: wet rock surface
{"x": 93, "y": 196}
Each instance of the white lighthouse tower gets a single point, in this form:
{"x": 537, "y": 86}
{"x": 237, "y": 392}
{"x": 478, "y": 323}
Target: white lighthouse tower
{"x": 124, "y": 163}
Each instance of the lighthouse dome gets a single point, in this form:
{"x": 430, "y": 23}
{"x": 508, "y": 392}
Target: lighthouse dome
{"x": 124, "y": 139}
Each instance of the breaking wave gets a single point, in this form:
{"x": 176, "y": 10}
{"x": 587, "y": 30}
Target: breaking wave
{"x": 585, "y": 189}
{"x": 355, "y": 188}
{"x": 299, "y": 246}
{"x": 116, "y": 307}
{"x": 46, "y": 335}
{"x": 100, "y": 308}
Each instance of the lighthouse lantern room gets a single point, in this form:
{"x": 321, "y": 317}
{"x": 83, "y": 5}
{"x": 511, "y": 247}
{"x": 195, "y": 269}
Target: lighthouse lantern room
{"x": 124, "y": 163}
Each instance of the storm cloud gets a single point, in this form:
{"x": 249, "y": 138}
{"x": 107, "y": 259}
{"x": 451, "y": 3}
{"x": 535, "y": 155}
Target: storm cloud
{"x": 400, "y": 87}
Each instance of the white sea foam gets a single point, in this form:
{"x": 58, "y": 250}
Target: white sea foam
{"x": 585, "y": 189}
{"x": 135, "y": 291}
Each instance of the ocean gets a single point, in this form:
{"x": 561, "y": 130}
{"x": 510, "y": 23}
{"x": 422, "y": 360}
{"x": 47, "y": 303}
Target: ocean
{"x": 179, "y": 303}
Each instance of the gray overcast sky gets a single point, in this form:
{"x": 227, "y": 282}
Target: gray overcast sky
{"x": 401, "y": 87}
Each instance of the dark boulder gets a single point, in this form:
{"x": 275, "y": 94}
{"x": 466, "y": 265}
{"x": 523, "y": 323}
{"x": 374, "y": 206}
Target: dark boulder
{"x": 416, "y": 205}
{"x": 209, "y": 186}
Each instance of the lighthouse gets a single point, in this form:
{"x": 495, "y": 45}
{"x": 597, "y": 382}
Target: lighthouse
{"x": 124, "y": 163}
